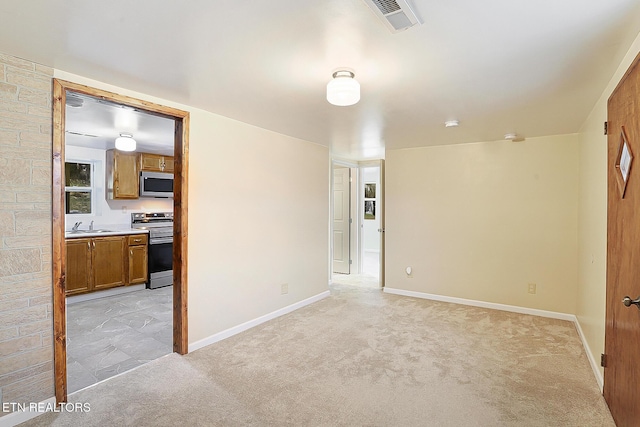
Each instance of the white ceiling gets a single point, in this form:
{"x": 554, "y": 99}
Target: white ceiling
{"x": 94, "y": 123}
{"x": 498, "y": 66}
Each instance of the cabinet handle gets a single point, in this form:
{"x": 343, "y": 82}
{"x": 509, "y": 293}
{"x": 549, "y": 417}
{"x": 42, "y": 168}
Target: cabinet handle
{"x": 131, "y": 253}
{"x": 137, "y": 240}
{"x": 89, "y": 245}
{"x": 94, "y": 244}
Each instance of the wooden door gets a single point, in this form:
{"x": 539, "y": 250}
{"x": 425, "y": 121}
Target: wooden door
{"x": 341, "y": 220}
{"x": 125, "y": 173}
{"x": 622, "y": 327}
{"x": 78, "y": 266}
{"x": 108, "y": 262}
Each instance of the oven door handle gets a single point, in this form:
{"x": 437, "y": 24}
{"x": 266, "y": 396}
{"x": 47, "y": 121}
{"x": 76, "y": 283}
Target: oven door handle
{"x": 160, "y": 241}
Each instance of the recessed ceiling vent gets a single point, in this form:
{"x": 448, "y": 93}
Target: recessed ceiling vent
{"x": 396, "y": 15}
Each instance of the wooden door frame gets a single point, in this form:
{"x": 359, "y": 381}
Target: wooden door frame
{"x": 180, "y": 229}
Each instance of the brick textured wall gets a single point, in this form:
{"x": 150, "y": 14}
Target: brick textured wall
{"x": 26, "y": 326}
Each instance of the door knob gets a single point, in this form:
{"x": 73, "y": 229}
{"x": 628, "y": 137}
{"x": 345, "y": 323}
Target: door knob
{"x": 628, "y": 301}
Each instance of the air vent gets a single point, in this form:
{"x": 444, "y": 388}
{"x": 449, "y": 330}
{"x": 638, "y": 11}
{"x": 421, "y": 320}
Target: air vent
{"x": 387, "y": 6}
{"x": 396, "y": 15}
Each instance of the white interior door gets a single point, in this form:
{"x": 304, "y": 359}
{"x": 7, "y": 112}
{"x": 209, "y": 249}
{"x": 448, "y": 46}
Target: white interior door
{"x": 341, "y": 220}
{"x": 381, "y": 229}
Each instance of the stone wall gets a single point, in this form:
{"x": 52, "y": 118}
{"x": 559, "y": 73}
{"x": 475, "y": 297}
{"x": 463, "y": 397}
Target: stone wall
{"x": 26, "y": 326}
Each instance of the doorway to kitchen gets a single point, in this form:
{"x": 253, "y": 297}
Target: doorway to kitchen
{"x": 127, "y": 246}
{"x": 357, "y": 190}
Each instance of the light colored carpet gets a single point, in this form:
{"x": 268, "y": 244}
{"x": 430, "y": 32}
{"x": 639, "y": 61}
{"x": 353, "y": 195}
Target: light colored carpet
{"x": 363, "y": 358}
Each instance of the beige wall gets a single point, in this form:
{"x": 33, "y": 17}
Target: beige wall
{"x": 481, "y": 221}
{"x": 592, "y": 216}
{"x": 26, "y": 346}
{"x": 258, "y": 218}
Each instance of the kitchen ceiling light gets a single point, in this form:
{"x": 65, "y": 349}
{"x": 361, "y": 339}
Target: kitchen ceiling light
{"x": 343, "y": 89}
{"x": 125, "y": 142}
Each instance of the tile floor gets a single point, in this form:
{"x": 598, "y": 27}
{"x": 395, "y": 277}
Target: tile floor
{"x": 110, "y": 335}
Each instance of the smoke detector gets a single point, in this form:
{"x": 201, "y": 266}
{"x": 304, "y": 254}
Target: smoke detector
{"x": 396, "y": 15}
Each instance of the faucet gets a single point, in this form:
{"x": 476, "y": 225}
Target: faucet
{"x": 76, "y": 225}
{"x": 91, "y": 226}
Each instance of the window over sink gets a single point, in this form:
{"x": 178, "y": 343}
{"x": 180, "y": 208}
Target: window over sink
{"x": 79, "y": 179}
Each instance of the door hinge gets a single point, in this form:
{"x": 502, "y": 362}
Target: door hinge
{"x": 350, "y": 220}
{"x": 350, "y": 261}
{"x": 606, "y": 128}
{"x": 603, "y": 360}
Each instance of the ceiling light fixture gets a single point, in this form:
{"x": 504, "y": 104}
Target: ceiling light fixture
{"x": 125, "y": 142}
{"x": 451, "y": 123}
{"x": 343, "y": 90}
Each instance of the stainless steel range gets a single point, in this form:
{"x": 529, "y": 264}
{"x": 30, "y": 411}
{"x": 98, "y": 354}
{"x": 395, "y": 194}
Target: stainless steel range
{"x": 160, "y": 226}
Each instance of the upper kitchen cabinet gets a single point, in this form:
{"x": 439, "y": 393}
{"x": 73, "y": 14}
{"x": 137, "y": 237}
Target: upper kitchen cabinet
{"x": 122, "y": 175}
{"x": 156, "y": 163}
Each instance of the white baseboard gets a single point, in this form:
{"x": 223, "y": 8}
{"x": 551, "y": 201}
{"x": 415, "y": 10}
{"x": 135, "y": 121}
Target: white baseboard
{"x": 255, "y": 322}
{"x": 483, "y": 304}
{"x": 595, "y": 366}
{"x": 18, "y": 417}
{"x": 513, "y": 309}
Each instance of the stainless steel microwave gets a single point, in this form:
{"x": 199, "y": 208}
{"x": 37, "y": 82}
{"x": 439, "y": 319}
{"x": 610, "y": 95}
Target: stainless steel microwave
{"x": 156, "y": 184}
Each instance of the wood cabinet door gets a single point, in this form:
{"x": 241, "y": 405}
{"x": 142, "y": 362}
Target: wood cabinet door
{"x": 167, "y": 163}
{"x": 151, "y": 162}
{"x": 108, "y": 262}
{"x": 137, "y": 265}
{"x": 125, "y": 176}
{"x": 78, "y": 277}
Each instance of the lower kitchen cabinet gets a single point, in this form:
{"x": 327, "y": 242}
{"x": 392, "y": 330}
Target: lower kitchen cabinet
{"x": 105, "y": 262}
{"x": 138, "y": 259}
{"x": 78, "y": 277}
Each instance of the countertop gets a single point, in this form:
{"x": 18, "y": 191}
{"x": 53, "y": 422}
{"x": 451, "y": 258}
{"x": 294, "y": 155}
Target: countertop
{"x": 108, "y": 231}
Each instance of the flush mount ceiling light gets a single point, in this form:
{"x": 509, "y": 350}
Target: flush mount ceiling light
{"x": 513, "y": 137}
{"x": 125, "y": 142}
{"x": 451, "y": 123}
{"x": 343, "y": 89}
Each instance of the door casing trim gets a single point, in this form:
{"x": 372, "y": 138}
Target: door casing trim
{"x": 180, "y": 230}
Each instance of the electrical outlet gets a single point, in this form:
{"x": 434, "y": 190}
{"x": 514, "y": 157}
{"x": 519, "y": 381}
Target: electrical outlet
{"x": 532, "y": 288}
{"x": 284, "y": 288}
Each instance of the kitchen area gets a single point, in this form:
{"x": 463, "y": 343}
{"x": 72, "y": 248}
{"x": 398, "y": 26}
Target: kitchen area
{"x": 118, "y": 238}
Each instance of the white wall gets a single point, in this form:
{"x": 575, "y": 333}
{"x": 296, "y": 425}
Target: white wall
{"x": 109, "y": 213}
{"x": 258, "y": 218}
{"x": 370, "y": 234}
{"x": 481, "y": 221}
{"x": 592, "y": 217}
